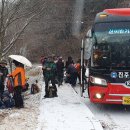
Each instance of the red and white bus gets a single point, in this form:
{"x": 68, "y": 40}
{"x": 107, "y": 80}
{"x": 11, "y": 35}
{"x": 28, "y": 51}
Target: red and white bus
{"x": 108, "y": 51}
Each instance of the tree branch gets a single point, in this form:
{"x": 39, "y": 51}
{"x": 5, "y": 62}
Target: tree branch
{"x": 17, "y": 35}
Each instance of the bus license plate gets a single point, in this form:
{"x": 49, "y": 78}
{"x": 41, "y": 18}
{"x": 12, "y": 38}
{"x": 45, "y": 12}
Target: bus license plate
{"x": 126, "y": 100}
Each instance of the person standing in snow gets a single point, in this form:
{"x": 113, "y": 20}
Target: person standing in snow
{"x": 19, "y": 82}
{"x": 42, "y": 59}
{"x": 72, "y": 74}
{"x": 60, "y": 70}
{"x": 43, "y": 62}
{"x": 3, "y": 74}
{"x": 49, "y": 69}
{"x": 69, "y": 61}
{"x": 78, "y": 68}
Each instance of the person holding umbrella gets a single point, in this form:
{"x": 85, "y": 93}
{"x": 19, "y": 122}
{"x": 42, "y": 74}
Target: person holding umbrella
{"x": 19, "y": 82}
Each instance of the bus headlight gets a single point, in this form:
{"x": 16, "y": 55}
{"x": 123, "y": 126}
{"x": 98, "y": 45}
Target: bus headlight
{"x": 98, "y": 81}
{"x": 99, "y": 95}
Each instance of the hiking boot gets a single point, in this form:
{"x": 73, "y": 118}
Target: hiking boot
{"x": 18, "y": 107}
{"x": 55, "y": 95}
{"x": 21, "y": 106}
{"x": 58, "y": 84}
{"x": 46, "y": 96}
{"x": 73, "y": 86}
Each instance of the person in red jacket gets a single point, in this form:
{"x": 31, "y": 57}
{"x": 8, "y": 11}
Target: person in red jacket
{"x": 78, "y": 68}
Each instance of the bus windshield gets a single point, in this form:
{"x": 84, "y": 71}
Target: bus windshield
{"x": 112, "y": 44}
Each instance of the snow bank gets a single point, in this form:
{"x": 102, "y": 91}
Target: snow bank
{"x": 24, "y": 118}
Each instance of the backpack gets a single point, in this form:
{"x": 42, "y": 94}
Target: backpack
{"x": 10, "y": 84}
{"x": 2, "y": 106}
{"x": 7, "y": 100}
{"x": 25, "y": 88}
{"x": 52, "y": 91}
{"x": 34, "y": 88}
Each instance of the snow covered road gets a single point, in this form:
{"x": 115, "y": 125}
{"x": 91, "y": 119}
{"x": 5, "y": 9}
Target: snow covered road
{"x": 112, "y": 117}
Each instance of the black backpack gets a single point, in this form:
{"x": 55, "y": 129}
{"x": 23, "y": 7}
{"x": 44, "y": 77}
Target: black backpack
{"x": 34, "y": 88}
{"x": 52, "y": 92}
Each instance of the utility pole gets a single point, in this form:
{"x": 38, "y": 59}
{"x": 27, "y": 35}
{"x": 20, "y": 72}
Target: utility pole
{"x": 82, "y": 69}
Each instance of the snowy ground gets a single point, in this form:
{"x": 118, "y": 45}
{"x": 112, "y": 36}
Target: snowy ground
{"x": 66, "y": 112}
{"x": 21, "y": 119}
{"x": 25, "y": 118}
{"x": 112, "y": 117}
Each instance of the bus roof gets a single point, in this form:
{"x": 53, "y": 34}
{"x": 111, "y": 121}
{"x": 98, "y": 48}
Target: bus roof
{"x": 118, "y": 11}
{"x": 113, "y": 15}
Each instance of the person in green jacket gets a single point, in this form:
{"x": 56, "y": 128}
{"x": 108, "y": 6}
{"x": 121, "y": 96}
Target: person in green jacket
{"x": 49, "y": 75}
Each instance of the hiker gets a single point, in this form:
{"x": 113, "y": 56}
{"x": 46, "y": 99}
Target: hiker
{"x": 3, "y": 75}
{"x": 78, "y": 68}
{"x": 49, "y": 69}
{"x": 19, "y": 82}
{"x": 60, "y": 70}
{"x": 69, "y": 61}
{"x": 72, "y": 74}
{"x": 55, "y": 58}
{"x": 43, "y": 62}
{"x": 42, "y": 59}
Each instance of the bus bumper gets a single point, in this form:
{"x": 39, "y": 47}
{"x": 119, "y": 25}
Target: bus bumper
{"x": 106, "y": 95}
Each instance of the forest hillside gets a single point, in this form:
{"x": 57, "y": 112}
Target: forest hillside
{"x": 59, "y": 28}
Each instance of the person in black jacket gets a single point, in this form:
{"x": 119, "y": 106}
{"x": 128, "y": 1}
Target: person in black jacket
{"x": 72, "y": 74}
{"x": 3, "y": 75}
{"x": 69, "y": 61}
{"x": 60, "y": 71}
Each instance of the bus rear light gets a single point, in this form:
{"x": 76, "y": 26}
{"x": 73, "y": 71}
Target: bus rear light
{"x": 98, "y": 81}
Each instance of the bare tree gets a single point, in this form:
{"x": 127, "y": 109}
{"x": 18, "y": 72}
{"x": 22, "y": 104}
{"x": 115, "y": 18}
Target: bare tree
{"x": 51, "y": 31}
{"x": 15, "y": 16}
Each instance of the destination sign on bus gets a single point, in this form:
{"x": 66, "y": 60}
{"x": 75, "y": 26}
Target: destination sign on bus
{"x": 119, "y": 31}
